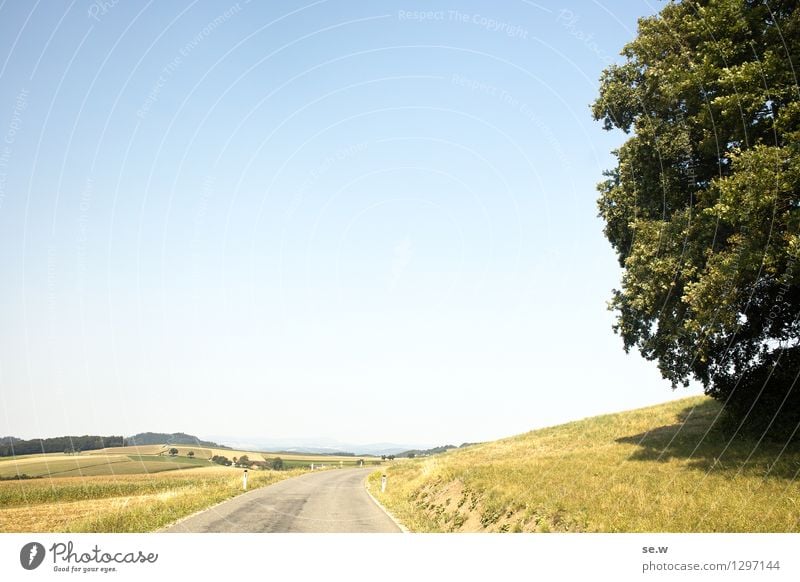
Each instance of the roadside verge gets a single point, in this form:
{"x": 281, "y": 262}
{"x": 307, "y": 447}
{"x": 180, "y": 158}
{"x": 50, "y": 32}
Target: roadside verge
{"x": 403, "y": 528}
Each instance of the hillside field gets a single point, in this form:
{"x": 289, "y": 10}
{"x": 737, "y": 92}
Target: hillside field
{"x": 60, "y": 465}
{"x": 666, "y": 468}
{"x": 149, "y": 459}
{"x": 130, "y": 489}
{"x": 207, "y": 453}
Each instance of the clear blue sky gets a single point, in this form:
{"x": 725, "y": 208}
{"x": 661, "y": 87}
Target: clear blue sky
{"x": 296, "y": 219}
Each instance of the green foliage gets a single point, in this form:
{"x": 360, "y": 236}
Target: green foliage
{"x": 703, "y": 207}
{"x": 173, "y": 451}
{"x": 20, "y": 477}
{"x": 221, "y": 460}
{"x": 277, "y": 464}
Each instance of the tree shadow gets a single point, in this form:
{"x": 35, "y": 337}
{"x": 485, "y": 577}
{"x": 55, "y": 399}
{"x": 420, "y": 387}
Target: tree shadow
{"x": 703, "y": 436}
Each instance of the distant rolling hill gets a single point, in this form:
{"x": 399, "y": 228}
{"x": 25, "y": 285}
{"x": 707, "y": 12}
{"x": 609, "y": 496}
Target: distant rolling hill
{"x": 175, "y": 438}
{"x": 666, "y": 468}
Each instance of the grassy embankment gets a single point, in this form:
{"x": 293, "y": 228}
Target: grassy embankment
{"x": 666, "y": 468}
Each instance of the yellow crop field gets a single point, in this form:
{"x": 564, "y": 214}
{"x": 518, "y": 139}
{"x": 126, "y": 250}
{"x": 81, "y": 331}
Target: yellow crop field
{"x": 120, "y": 503}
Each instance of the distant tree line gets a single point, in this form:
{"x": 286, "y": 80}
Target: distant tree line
{"x": 10, "y": 446}
{"x": 244, "y": 462}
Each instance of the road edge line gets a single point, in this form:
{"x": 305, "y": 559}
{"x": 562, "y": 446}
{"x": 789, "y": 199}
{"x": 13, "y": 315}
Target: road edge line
{"x": 403, "y": 529}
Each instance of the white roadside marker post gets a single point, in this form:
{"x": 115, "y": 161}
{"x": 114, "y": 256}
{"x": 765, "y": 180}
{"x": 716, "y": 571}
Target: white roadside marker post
{"x": 244, "y": 480}
{"x": 312, "y": 466}
{"x": 383, "y": 483}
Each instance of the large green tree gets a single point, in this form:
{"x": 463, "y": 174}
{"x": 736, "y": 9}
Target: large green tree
{"x": 703, "y": 206}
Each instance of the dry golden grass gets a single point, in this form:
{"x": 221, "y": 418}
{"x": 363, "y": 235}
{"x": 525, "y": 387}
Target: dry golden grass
{"x": 664, "y": 468}
{"x": 129, "y": 503}
{"x": 60, "y": 516}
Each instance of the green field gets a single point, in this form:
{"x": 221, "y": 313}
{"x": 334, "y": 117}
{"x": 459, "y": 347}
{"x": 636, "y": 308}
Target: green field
{"x": 666, "y": 468}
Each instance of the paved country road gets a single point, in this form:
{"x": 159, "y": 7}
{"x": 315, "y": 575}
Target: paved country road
{"x": 327, "y": 501}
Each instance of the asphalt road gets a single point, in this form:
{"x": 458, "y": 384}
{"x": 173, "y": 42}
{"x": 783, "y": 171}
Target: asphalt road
{"x": 326, "y": 501}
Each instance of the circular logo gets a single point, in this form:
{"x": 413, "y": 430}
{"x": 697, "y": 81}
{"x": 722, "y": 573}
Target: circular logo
{"x": 31, "y": 555}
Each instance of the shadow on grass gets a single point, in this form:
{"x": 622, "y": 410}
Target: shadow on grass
{"x": 702, "y": 437}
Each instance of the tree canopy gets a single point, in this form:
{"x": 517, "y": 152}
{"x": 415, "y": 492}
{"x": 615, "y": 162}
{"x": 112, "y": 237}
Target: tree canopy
{"x": 703, "y": 207}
